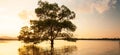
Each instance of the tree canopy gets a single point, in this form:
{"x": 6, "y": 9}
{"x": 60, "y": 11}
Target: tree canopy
{"x": 54, "y": 22}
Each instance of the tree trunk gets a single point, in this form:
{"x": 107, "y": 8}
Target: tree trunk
{"x": 52, "y": 47}
{"x": 52, "y": 43}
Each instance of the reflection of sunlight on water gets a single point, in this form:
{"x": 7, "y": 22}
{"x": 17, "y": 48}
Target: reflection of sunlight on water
{"x": 84, "y": 47}
{"x": 97, "y": 47}
{"x": 119, "y": 46}
{"x": 9, "y": 48}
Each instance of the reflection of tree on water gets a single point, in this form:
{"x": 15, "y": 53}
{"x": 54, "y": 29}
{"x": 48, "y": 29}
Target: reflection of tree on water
{"x": 36, "y": 50}
{"x": 29, "y": 50}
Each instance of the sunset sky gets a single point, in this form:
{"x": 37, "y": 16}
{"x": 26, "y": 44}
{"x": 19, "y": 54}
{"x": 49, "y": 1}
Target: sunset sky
{"x": 94, "y": 18}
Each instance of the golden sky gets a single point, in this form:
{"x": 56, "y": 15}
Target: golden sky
{"x": 94, "y": 18}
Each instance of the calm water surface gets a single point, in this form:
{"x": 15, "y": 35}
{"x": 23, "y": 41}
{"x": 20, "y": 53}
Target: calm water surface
{"x": 81, "y": 47}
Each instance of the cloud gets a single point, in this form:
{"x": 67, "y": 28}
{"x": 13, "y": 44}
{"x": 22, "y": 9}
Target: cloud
{"x": 27, "y": 15}
{"x": 100, "y": 6}
{"x": 104, "y": 5}
{"x": 87, "y": 6}
{"x": 23, "y": 14}
{"x": 81, "y": 6}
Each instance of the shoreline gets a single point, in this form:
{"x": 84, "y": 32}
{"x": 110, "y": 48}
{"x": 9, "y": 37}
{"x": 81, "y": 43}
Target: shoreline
{"x": 114, "y": 39}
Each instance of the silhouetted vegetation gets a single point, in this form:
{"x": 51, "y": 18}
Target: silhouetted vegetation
{"x": 94, "y": 39}
{"x": 54, "y": 22}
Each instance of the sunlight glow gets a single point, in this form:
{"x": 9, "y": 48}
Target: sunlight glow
{"x": 94, "y": 18}
{"x": 10, "y": 25}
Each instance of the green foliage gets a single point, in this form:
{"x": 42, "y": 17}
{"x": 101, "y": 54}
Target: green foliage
{"x": 54, "y": 21}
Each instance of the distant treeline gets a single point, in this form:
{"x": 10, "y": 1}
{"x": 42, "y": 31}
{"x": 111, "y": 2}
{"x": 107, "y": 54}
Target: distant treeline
{"x": 92, "y": 39}
{"x": 8, "y": 39}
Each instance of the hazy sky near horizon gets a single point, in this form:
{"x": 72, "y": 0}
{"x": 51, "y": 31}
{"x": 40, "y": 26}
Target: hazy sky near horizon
{"x": 94, "y": 18}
